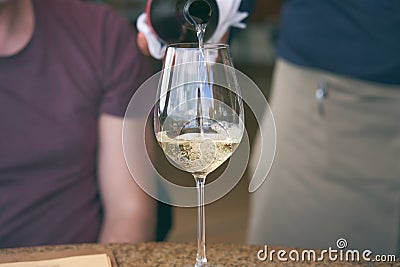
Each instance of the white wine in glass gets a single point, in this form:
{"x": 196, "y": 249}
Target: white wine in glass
{"x": 198, "y": 118}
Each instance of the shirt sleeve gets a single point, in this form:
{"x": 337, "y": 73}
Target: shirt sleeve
{"x": 124, "y": 68}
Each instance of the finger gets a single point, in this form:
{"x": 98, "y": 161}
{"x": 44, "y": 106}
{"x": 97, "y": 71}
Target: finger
{"x": 142, "y": 44}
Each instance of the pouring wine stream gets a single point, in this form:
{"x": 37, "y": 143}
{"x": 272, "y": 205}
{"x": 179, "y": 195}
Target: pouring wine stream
{"x": 198, "y": 13}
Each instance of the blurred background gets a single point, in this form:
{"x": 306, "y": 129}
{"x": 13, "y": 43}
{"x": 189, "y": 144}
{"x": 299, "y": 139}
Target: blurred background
{"x": 253, "y": 52}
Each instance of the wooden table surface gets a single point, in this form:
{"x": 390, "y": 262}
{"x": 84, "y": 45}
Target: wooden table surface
{"x": 177, "y": 254}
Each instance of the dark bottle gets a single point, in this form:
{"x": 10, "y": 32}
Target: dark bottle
{"x": 174, "y": 21}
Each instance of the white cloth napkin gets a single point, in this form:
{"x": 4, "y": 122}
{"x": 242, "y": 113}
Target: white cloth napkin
{"x": 229, "y": 16}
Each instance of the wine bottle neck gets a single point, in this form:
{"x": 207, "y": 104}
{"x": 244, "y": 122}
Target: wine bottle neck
{"x": 197, "y": 12}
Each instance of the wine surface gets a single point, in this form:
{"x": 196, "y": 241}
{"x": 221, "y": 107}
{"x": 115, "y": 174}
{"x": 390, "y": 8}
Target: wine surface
{"x": 199, "y": 153}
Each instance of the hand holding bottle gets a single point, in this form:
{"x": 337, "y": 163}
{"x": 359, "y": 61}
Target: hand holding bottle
{"x": 164, "y": 22}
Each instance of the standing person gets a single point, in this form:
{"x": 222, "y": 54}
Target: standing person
{"x": 336, "y": 103}
{"x": 67, "y": 72}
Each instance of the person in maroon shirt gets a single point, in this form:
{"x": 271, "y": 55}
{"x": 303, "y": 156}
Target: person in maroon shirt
{"x": 67, "y": 72}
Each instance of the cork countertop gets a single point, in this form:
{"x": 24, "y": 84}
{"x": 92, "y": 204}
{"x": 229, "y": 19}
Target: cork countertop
{"x": 176, "y": 254}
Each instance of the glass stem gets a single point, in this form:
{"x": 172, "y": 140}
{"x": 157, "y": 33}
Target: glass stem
{"x": 201, "y": 259}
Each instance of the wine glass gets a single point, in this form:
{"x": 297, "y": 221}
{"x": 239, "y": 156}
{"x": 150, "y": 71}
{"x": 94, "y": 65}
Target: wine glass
{"x": 198, "y": 117}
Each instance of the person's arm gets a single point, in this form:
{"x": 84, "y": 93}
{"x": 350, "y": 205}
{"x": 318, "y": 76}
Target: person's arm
{"x": 129, "y": 213}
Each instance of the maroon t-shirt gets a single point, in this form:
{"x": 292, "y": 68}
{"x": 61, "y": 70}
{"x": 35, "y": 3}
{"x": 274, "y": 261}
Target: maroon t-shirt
{"x": 81, "y": 61}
